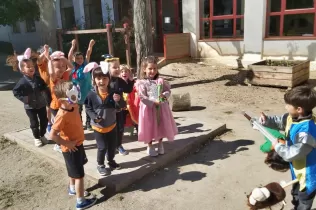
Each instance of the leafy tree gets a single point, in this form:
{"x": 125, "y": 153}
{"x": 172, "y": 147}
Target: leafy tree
{"x": 12, "y": 11}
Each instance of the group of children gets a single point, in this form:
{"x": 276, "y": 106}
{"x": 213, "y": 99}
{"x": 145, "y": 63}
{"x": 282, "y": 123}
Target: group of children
{"x": 54, "y": 90}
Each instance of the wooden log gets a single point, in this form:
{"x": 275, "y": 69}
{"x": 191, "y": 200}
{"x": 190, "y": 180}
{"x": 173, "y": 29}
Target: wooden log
{"x": 180, "y": 102}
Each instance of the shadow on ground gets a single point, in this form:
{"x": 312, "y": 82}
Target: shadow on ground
{"x": 216, "y": 150}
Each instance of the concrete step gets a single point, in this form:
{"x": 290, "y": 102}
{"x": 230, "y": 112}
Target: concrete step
{"x": 137, "y": 164}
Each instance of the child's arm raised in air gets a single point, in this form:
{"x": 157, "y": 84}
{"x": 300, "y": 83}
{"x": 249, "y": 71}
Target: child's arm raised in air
{"x": 71, "y": 51}
{"x": 303, "y": 146}
{"x": 42, "y": 56}
{"x": 89, "y": 51}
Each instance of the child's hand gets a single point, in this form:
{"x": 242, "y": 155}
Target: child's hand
{"x": 157, "y": 103}
{"x": 262, "y": 119}
{"x": 71, "y": 145}
{"x": 116, "y": 97}
{"x": 46, "y": 48}
{"x": 97, "y": 120}
{"x": 92, "y": 42}
{"x": 73, "y": 43}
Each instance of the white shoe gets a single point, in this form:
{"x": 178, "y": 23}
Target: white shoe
{"x": 151, "y": 151}
{"x": 38, "y": 142}
{"x": 161, "y": 149}
{"x": 57, "y": 148}
{"x": 44, "y": 140}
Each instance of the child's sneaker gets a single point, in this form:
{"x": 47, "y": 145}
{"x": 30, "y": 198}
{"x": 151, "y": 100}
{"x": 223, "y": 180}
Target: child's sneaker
{"x": 85, "y": 194}
{"x": 151, "y": 151}
{"x": 86, "y": 204}
{"x": 38, "y": 142}
{"x": 113, "y": 165}
{"x": 104, "y": 171}
{"x": 57, "y": 148}
{"x": 122, "y": 151}
{"x": 161, "y": 149}
{"x": 44, "y": 140}
{"x": 49, "y": 128}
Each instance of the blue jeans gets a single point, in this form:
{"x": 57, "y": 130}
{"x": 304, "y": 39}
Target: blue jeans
{"x": 301, "y": 200}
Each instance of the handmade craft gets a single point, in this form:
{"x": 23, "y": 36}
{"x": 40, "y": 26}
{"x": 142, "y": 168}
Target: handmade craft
{"x": 273, "y": 160}
{"x": 269, "y": 195}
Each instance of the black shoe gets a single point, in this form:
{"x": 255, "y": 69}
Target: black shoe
{"x": 113, "y": 165}
{"x": 103, "y": 171}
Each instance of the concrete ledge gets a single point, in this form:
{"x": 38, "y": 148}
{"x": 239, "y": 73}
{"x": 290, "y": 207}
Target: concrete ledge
{"x": 137, "y": 164}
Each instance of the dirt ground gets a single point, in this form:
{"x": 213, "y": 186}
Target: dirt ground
{"x": 217, "y": 176}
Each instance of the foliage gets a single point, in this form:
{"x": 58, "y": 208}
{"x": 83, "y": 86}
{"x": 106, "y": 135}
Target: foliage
{"x": 281, "y": 63}
{"x": 12, "y": 11}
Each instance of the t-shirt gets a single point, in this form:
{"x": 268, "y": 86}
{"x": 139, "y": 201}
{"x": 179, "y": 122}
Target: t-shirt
{"x": 54, "y": 104}
{"x": 106, "y": 129}
{"x": 68, "y": 123}
{"x": 43, "y": 70}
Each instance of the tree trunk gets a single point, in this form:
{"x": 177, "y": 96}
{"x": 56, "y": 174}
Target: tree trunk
{"x": 142, "y": 30}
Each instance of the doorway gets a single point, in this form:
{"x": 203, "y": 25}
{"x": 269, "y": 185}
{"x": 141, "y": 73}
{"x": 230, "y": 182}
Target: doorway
{"x": 166, "y": 19}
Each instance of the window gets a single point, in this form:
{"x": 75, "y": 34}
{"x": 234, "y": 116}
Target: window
{"x": 30, "y": 26}
{"x": 291, "y": 18}
{"x": 222, "y": 18}
{"x": 68, "y": 17}
{"x": 93, "y": 13}
{"x": 16, "y": 29}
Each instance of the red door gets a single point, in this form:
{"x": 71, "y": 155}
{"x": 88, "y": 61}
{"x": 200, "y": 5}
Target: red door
{"x": 165, "y": 19}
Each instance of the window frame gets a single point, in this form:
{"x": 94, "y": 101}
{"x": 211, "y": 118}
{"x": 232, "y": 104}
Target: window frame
{"x": 233, "y": 17}
{"x": 283, "y": 11}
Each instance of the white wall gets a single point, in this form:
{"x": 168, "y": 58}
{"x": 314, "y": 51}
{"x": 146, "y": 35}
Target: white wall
{"x": 190, "y": 16}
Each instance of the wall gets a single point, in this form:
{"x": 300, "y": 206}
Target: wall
{"x": 190, "y": 17}
{"x": 5, "y": 33}
{"x": 206, "y": 49}
{"x": 290, "y": 48}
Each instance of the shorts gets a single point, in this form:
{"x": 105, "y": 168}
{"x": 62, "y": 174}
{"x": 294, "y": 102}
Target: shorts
{"x": 75, "y": 162}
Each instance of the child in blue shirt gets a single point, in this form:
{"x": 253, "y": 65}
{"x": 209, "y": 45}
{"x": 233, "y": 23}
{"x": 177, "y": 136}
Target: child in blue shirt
{"x": 79, "y": 78}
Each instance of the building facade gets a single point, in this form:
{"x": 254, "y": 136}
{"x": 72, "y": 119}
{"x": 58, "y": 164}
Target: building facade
{"x": 251, "y": 29}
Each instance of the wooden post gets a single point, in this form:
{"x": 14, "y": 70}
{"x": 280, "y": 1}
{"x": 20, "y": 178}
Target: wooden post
{"x": 77, "y": 41}
{"x": 110, "y": 40}
{"x": 127, "y": 44}
{"x": 60, "y": 39}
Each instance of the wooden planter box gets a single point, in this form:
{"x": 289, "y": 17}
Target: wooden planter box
{"x": 291, "y": 75}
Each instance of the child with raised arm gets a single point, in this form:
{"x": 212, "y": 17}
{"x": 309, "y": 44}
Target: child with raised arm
{"x": 101, "y": 106}
{"x": 31, "y": 90}
{"x": 79, "y": 78}
{"x": 155, "y": 117}
{"x": 68, "y": 132}
{"x": 298, "y": 148}
{"x": 58, "y": 66}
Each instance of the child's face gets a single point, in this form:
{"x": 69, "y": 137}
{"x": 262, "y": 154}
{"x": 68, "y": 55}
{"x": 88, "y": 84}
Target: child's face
{"x": 125, "y": 74}
{"x": 294, "y": 111}
{"x": 28, "y": 68}
{"x": 59, "y": 68}
{"x": 151, "y": 70}
{"x": 79, "y": 60}
{"x": 102, "y": 82}
{"x": 115, "y": 69}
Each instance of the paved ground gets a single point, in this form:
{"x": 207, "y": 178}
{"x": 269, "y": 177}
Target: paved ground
{"x": 217, "y": 176}
{"x": 137, "y": 164}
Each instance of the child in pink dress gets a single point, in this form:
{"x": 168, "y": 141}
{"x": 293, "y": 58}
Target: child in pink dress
{"x": 155, "y": 117}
